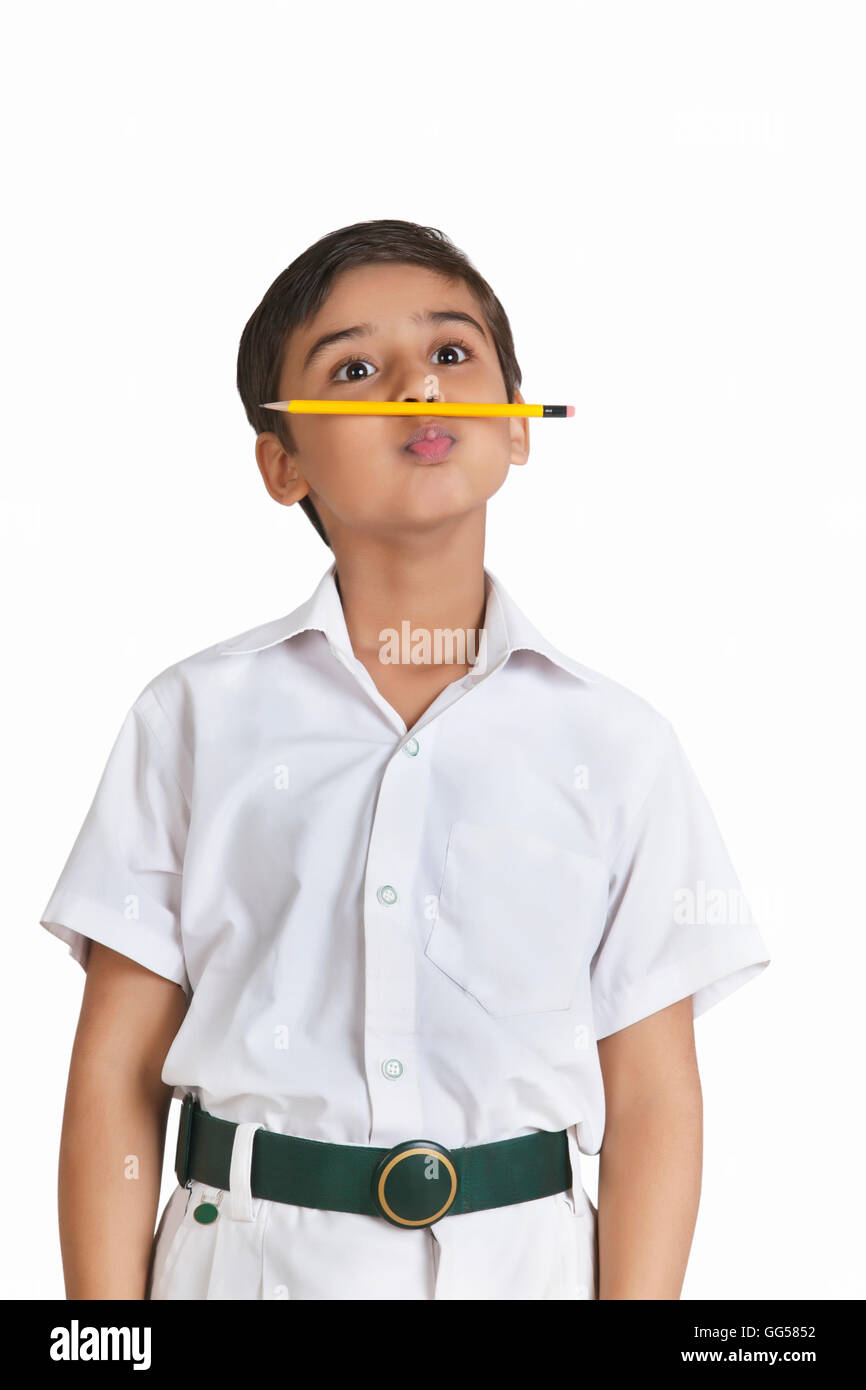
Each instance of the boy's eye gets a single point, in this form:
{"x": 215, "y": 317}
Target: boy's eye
{"x": 452, "y": 347}
{"x": 353, "y": 362}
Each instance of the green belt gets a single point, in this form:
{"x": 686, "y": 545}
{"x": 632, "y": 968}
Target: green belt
{"x": 411, "y": 1184}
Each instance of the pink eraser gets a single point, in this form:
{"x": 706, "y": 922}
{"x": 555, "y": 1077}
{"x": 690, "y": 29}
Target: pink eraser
{"x": 569, "y": 410}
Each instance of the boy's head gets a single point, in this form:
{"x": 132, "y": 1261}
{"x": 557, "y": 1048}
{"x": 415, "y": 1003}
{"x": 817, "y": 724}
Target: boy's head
{"x": 398, "y": 280}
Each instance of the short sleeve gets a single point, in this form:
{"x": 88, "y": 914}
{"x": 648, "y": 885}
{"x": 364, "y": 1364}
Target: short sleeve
{"x": 678, "y": 923}
{"x": 121, "y": 884}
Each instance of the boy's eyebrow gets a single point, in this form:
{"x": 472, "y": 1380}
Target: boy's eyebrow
{"x": 360, "y": 329}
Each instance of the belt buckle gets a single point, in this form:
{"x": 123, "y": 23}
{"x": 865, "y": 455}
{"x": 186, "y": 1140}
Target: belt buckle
{"x": 415, "y": 1183}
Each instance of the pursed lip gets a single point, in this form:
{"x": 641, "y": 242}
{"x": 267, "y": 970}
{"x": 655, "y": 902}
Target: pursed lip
{"x": 437, "y": 431}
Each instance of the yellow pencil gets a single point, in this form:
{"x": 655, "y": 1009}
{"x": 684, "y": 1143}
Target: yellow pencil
{"x": 450, "y": 409}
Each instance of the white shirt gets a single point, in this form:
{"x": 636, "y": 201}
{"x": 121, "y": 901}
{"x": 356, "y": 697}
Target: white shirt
{"x": 389, "y": 934}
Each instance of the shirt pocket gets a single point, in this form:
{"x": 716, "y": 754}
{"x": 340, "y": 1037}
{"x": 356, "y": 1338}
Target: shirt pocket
{"x": 517, "y": 917}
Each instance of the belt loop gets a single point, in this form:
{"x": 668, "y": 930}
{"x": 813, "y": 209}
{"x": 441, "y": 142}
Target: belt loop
{"x": 240, "y": 1193}
{"x": 184, "y": 1131}
{"x": 576, "y": 1179}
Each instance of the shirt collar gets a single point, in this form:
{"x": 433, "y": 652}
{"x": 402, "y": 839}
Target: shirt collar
{"x": 506, "y": 626}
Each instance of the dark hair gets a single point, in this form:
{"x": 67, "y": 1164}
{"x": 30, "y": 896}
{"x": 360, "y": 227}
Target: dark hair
{"x": 299, "y": 291}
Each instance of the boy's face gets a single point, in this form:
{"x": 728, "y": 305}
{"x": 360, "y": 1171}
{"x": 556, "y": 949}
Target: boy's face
{"x": 356, "y": 468}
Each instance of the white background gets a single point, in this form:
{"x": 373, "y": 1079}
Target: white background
{"x": 667, "y": 198}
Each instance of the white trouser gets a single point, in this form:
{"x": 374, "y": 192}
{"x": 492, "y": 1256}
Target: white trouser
{"x": 258, "y": 1249}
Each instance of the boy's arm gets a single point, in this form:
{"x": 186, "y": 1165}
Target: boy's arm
{"x": 114, "y": 1125}
{"x": 651, "y": 1157}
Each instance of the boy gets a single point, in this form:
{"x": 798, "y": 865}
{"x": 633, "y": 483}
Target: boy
{"x": 342, "y": 902}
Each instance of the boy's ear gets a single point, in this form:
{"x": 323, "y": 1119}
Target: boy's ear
{"x": 281, "y": 478}
{"x": 519, "y": 425}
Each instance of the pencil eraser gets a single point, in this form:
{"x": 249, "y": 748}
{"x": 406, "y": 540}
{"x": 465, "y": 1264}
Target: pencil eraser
{"x": 569, "y": 410}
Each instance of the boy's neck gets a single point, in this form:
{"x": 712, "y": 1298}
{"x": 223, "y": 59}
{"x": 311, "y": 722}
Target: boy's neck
{"x": 382, "y": 591}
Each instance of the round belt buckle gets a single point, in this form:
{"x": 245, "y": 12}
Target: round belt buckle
{"x": 415, "y": 1183}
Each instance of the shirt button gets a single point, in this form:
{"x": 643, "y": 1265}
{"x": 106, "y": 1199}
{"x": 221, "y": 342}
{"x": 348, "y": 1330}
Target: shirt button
{"x": 386, "y": 894}
{"x": 393, "y": 1068}
{"x": 411, "y": 747}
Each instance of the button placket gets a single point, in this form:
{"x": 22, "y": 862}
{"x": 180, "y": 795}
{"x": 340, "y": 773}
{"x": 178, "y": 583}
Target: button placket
{"x": 393, "y": 942}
